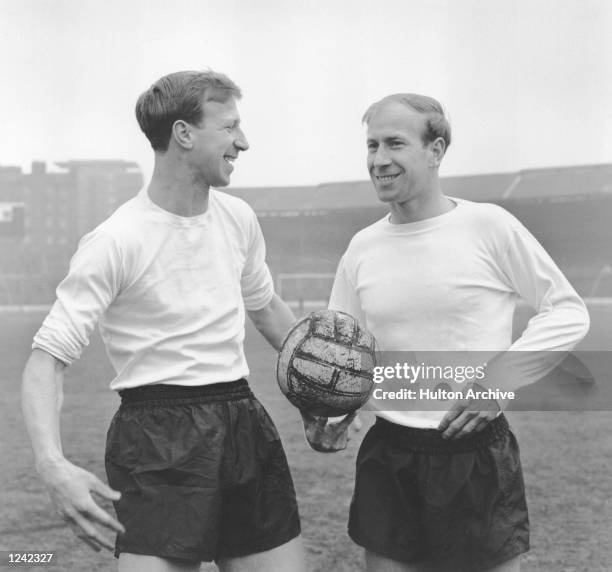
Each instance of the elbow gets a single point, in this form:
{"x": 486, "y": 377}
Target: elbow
{"x": 578, "y": 321}
{"x": 584, "y": 324}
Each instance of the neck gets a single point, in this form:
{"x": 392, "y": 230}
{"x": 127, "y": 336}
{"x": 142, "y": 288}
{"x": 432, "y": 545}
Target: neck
{"x": 174, "y": 188}
{"x": 427, "y": 204}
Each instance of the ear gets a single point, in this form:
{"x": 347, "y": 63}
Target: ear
{"x": 437, "y": 150}
{"x": 181, "y": 133}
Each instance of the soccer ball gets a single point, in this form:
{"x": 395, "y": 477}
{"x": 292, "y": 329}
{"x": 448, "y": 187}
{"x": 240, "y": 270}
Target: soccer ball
{"x": 325, "y": 366}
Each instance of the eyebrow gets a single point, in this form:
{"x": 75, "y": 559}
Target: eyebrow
{"x": 386, "y": 139}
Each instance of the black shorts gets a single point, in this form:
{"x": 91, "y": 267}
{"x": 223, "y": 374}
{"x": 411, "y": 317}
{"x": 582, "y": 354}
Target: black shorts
{"x": 458, "y": 505}
{"x": 201, "y": 471}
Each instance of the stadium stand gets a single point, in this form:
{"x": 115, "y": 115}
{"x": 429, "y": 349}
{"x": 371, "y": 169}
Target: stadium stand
{"x": 568, "y": 209}
{"x": 306, "y": 228}
{"x": 563, "y": 183}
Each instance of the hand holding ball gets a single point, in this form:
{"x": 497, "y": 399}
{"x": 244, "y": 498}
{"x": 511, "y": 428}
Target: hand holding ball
{"x": 325, "y": 366}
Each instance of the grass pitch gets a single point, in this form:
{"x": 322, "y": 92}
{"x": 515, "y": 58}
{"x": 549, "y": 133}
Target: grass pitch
{"x": 566, "y": 459}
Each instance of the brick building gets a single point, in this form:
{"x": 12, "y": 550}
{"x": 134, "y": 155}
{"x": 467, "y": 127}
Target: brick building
{"x": 52, "y": 209}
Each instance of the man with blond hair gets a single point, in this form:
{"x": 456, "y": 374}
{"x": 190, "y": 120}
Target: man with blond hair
{"x": 442, "y": 489}
{"x": 196, "y": 468}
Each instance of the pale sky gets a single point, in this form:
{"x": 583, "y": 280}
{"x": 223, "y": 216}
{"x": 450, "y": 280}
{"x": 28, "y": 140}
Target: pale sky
{"x": 526, "y": 83}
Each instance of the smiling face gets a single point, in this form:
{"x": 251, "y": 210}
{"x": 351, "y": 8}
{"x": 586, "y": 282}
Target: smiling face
{"x": 401, "y": 166}
{"x": 217, "y": 142}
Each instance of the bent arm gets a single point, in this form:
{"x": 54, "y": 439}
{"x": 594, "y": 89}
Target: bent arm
{"x": 273, "y": 321}
{"x": 560, "y": 323}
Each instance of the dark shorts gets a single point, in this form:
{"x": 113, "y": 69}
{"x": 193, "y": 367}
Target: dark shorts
{"x": 458, "y": 505}
{"x": 201, "y": 471}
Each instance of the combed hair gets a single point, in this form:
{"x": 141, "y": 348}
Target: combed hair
{"x": 180, "y": 95}
{"x": 436, "y": 124}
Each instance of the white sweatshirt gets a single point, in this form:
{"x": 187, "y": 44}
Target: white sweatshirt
{"x": 169, "y": 293}
{"x": 450, "y": 283}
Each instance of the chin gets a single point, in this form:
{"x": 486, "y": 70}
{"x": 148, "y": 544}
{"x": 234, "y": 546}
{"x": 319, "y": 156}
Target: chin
{"x": 221, "y": 182}
{"x": 386, "y": 196}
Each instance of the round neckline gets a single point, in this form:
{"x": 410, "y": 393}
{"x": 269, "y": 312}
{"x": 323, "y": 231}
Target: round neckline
{"x": 174, "y": 219}
{"x": 425, "y": 224}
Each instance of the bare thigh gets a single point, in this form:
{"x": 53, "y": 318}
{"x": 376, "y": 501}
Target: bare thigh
{"x": 512, "y": 565}
{"x": 142, "y": 563}
{"x": 378, "y": 563}
{"x": 289, "y": 556}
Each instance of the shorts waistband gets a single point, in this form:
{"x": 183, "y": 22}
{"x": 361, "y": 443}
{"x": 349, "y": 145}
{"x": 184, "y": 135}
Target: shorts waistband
{"x": 431, "y": 441}
{"x": 166, "y": 394}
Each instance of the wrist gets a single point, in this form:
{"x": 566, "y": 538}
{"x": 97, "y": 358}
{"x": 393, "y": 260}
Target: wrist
{"x": 502, "y": 404}
{"x": 49, "y": 462}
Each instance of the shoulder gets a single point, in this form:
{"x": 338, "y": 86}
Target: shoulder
{"x": 363, "y": 245}
{"x": 368, "y": 235}
{"x": 115, "y": 239}
{"x": 489, "y": 220}
{"x": 237, "y": 217}
{"x": 485, "y": 212}
{"x": 495, "y": 229}
{"x": 231, "y": 205}
{"x": 123, "y": 222}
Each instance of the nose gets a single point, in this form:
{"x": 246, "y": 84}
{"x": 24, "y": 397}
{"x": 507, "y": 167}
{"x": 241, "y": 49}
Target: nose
{"x": 241, "y": 142}
{"x": 381, "y": 157}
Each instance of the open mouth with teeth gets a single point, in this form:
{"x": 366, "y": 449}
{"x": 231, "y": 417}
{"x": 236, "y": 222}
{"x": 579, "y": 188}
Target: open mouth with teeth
{"x": 229, "y": 158}
{"x": 387, "y": 178}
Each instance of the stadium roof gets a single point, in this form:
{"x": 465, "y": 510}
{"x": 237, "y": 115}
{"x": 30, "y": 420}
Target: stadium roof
{"x": 360, "y": 194}
{"x": 264, "y": 199}
{"x": 527, "y": 184}
{"x": 562, "y": 182}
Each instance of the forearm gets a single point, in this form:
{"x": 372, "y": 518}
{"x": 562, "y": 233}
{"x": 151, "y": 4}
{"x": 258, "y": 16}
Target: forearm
{"x": 558, "y": 326}
{"x": 41, "y": 403}
{"x": 274, "y": 321}
{"x": 544, "y": 344}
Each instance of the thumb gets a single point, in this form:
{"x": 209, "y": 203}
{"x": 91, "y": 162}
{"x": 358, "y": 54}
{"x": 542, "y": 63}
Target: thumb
{"x": 357, "y": 423}
{"x": 347, "y": 420}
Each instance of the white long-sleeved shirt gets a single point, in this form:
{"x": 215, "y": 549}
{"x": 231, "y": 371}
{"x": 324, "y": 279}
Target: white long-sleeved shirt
{"x": 450, "y": 284}
{"x": 168, "y": 292}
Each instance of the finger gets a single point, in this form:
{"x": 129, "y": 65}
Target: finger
{"x": 105, "y": 519}
{"x": 328, "y": 448}
{"x": 104, "y": 490}
{"x": 313, "y": 426}
{"x": 456, "y": 409}
{"x": 318, "y": 421}
{"x": 457, "y": 425}
{"x": 484, "y": 421}
{"x": 468, "y": 428}
{"x": 90, "y": 535}
{"x": 317, "y": 429}
{"x": 90, "y": 542}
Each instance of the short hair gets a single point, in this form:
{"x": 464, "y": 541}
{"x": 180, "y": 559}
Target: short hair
{"x": 177, "y": 96}
{"x": 436, "y": 124}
